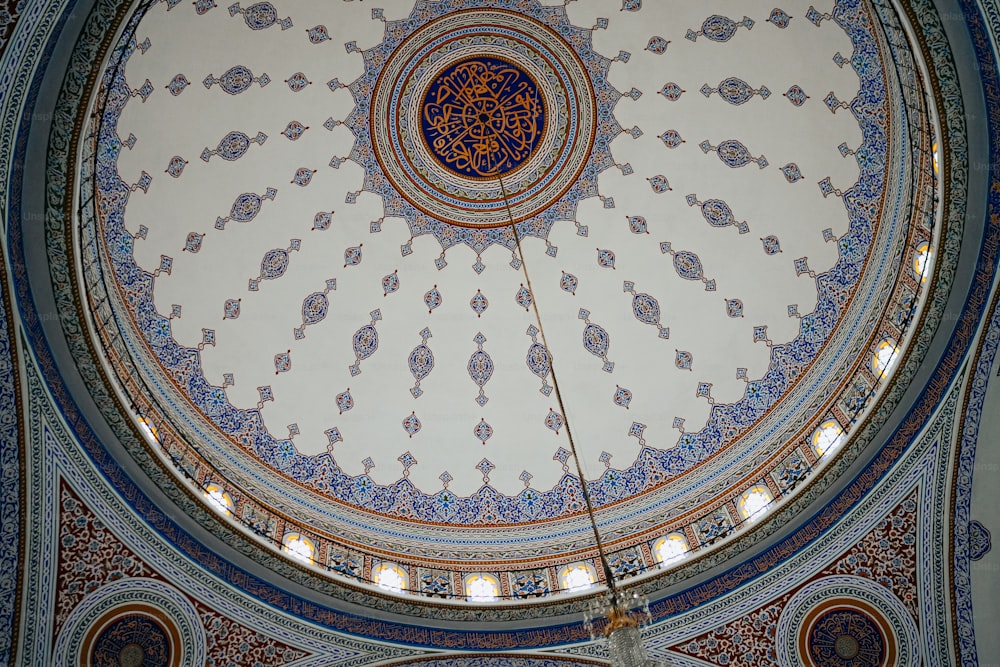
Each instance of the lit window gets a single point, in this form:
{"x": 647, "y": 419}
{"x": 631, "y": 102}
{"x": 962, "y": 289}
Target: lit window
{"x": 670, "y": 548}
{"x": 150, "y": 430}
{"x": 299, "y": 547}
{"x": 921, "y": 259}
{"x": 482, "y": 587}
{"x": 827, "y": 437}
{"x": 934, "y": 157}
{"x": 390, "y": 577}
{"x": 219, "y": 499}
{"x": 753, "y": 503}
{"x": 577, "y": 577}
{"x": 885, "y": 354}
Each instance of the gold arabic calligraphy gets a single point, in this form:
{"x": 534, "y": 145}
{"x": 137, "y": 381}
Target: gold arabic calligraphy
{"x": 482, "y": 117}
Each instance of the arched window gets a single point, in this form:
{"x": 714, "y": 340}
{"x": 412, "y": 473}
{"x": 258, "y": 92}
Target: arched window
{"x": 482, "y": 587}
{"x": 299, "y": 547}
{"x": 577, "y": 576}
{"x": 920, "y": 261}
{"x": 150, "y": 430}
{"x": 934, "y": 157}
{"x": 754, "y": 502}
{"x": 827, "y": 437}
{"x": 670, "y": 548}
{"x": 390, "y": 577}
{"x": 884, "y": 356}
{"x": 219, "y": 499}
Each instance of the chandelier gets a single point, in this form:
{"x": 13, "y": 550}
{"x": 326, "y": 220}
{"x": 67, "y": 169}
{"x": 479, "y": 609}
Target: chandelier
{"x": 623, "y": 614}
{"x": 617, "y": 616}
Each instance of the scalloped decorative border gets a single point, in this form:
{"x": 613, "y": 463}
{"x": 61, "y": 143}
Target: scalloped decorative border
{"x": 929, "y": 398}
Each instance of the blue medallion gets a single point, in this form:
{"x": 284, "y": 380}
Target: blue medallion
{"x": 235, "y": 80}
{"x": 421, "y": 362}
{"x": 246, "y": 207}
{"x": 482, "y": 117}
{"x": 846, "y": 637}
{"x": 596, "y": 340}
{"x": 274, "y": 264}
{"x": 688, "y": 265}
{"x": 646, "y": 309}
{"x": 315, "y": 308}
{"x": 735, "y": 91}
{"x": 365, "y": 341}
{"x": 132, "y": 639}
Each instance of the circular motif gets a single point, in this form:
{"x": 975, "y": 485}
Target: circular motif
{"x": 344, "y": 401}
{"x": 480, "y": 367}
{"x": 717, "y": 213}
{"x": 297, "y": 82}
{"x": 479, "y": 303}
{"x": 846, "y": 621}
{"x": 671, "y": 91}
{"x": 646, "y": 309}
{"x": 129, "y": 614}
{"x": 688, "y": 265}
{"x": 260, "y": 15}
{"x": 236, "y": 80}
{"x": 596, "y": 340}
{"x": 130, "y": 641}
{"x": 246, "y": 207}
{"x": 131, "y": 655}
{"x": 846, "y": 637}
{"x": 554, "y": 421}
{"x": 390, "y": 283}
{"x": 476, "y": 96}
{"x": 421, "y": 362}
{"x": 176, "y": 166}
{"x": 733, "y": 153}
{"x": 735, "y": 91}
{"x": 719, "y": 28}
{"x": 294, "y": 130}
{"x": 233, "y": 146}
{"x": 411, "y": 425}
{"x": 303, "y": 176}
{"x": 352, "y": 256}
{"x": 637, "y": 224}
{"x": 771, "y": 245}
{"x": 483, "y": 431}
{"x": 482, "y": 117}
{"x": 432, "y": 299}
{"x": 622, "y": 397}
{"x": 177, "y": 84}
{"x": 523, "y": 297}
{"x": 538, "y": 360}
{"x": 796, "y": 95}
{"x": 315, "y": 308}
{"x": 274, "y": 264}
{"x": 672, "y": 138}
{"x": 846, "y": 646}
{"x": 365, "y": 341}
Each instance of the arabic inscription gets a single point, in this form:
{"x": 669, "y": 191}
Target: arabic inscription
{"x": 482, "y": 117}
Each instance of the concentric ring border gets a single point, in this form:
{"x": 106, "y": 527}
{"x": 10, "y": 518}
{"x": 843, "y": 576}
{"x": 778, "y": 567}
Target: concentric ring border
{"x": 947, "y": 370}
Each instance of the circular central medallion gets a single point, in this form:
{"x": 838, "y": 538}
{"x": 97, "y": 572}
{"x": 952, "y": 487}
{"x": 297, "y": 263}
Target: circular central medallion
{"x": 846, "y": 637}
{"x": 131, "y": 656}
{"x": 846, "y": 647}
{"x": 478, "y": 97}
{"x": 482, "y": 117}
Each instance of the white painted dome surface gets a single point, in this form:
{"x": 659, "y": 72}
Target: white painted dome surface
{"x": 307, "y": 220}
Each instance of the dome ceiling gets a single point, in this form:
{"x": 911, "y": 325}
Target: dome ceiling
{"x": 380, "y": 272}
